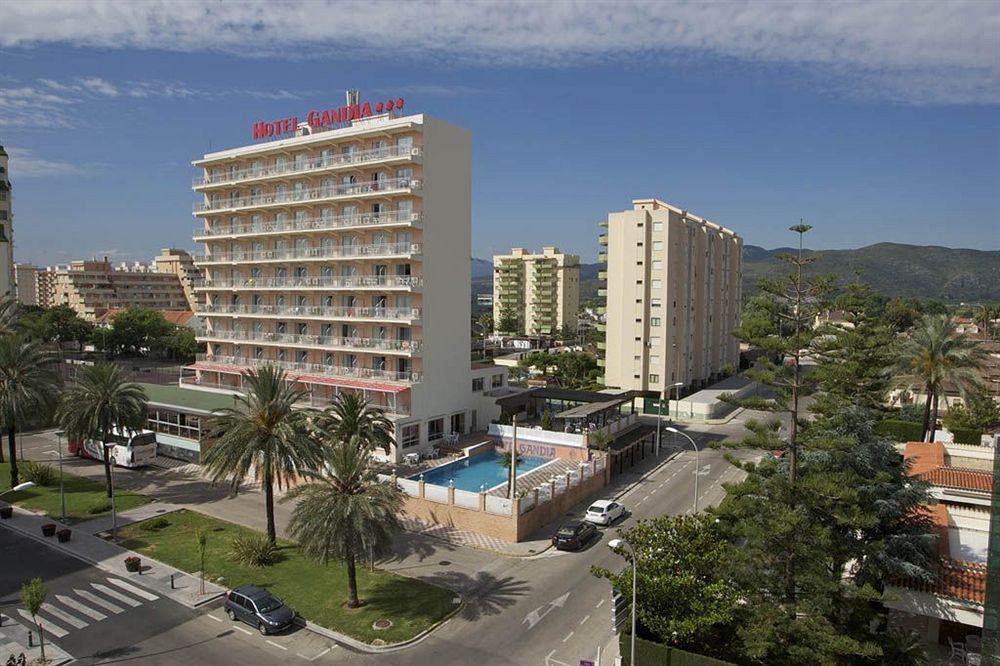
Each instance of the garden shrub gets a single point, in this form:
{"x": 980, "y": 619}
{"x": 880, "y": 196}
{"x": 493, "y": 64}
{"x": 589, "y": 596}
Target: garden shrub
{"x": 254, "y": 550}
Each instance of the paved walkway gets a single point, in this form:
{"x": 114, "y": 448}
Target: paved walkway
{"x": 110, "y": 557}
{"x": 14, "y": 641}
{"x": 136, "y": 515}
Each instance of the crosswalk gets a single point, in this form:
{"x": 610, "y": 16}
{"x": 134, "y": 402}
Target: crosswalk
{"x": 65, "y": 612}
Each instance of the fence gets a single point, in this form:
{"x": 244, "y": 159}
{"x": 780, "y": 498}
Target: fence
{"x": 498, "y": 505}
{"x": 466, "y": 499}
{"x": 436, "y": 493}
{"x": 649, "y": 653}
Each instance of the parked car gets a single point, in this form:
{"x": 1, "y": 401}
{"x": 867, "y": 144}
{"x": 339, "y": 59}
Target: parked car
{"x": 572, "y": 535}
{"x": 604, "y": 512}
{"x": 258, "y": 608}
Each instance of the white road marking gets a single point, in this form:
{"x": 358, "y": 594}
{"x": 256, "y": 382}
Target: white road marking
{"x": 652, "y": 491}
{"x": 280, "y": 647}
{"x": 50, "y": 628}
{"x": 65, "y": 617}
{"x": 600, "y": 603}
{"x": 118, "y": 596}
{"x": 75, "y": 605}
{"x": 94, "y": 599}
{"x": 213, "y": 617}
{"x": 245, "y": 631}
{"x": 569, "y": 636}
{"x": 139, "y": 592}
{"x": 584, "y": 619}
{"x": 549, "y": 656}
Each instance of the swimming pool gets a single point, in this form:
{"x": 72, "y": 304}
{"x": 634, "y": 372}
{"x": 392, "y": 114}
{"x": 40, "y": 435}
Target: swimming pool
{"x": 482, "y": 470}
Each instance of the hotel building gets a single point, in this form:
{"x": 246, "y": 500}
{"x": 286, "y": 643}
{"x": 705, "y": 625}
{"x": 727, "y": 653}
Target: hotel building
{"x": 342, "y": 256}
{"x": 673, "y": 298}
{"x": 541, "y": 290}
{"x": 6, "y": 228}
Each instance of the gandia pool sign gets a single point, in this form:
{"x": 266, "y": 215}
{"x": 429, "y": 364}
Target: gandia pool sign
{"x": 327, "y": 118}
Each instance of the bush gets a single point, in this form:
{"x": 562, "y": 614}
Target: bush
{"x": 967, "y": 436}
{"x": 154, "y": 524}
{"x": 100, "y": 507}
{"x": 37, "y": 473}
{"x": 912, "y": 413}
{"x": 254, "y": 550}
{"x": 900, "y": 431}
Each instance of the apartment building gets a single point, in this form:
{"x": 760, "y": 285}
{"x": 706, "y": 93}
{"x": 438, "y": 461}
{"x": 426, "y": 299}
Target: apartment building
{"x": 541, "y": 290}
{"x": 92, "y": 287}
{"x": 341, "y": 254}
{"x": 26, "y": 283}
{"x": 6, "y": 228}
{"x": 181, "y": 264}
{"x": 45, "y": 286}
{"x": 672, "y": 298}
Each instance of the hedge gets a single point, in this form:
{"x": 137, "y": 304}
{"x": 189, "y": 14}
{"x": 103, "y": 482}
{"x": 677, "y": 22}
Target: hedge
{"x": 901, "y": 431}
{"x": 649, "y": 653}
{"x": 967, "y": 436}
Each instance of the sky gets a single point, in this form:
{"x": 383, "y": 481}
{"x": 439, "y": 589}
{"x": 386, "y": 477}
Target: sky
{"x": 872, "y": 121}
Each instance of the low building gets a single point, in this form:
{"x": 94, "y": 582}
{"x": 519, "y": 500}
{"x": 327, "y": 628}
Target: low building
{"x": 178, "y": 417}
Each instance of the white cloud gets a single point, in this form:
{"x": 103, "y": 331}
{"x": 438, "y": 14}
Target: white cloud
{"x": 98, "y": 85}
{"x": 25, "y": 164}
{"x": 911, "y": 52}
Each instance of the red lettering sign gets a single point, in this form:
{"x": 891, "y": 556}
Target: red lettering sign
{"x": 323, "y": 119}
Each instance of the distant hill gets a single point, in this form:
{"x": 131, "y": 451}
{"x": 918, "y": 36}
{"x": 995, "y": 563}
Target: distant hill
{"x": 894, "y": 269}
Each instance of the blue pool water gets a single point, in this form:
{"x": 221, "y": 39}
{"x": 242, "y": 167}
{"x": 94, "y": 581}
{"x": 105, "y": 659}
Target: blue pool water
{"x": 484, "y": 469}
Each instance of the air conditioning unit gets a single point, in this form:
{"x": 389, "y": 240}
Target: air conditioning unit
{"x": 415, "y": 184}
{"x": 366, "y": 219}
{"x": 269, "y": 254}
{"x": 415, "y": 152}
{"x": 415, "y": 217}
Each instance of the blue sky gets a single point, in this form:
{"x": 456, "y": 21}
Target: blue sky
{"x": 750, "y": 118}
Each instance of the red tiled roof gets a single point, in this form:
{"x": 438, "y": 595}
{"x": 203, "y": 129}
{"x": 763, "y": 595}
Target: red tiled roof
{"x": 924, "y": 456}
{"x": 975, "y": 480}
{"x": 954, "y": 579}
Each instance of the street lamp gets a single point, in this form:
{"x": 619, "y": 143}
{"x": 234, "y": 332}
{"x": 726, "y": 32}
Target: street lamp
{"x": 62, "y": 494}
{"x": 114, "y": 512}
{"x": 696, "y": 463}
{"x": 615, "y": 544}
{"x": 18, "y": 488}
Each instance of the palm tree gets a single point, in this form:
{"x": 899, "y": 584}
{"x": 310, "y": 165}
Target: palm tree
{"x": 350, "y": 414}
{"x": 934, "y": 355}
{"x": 28, "y": 386}
{"x": 346, "y": 512}
{"x": 100, "y": 401}
{"x": 263, "y": 434}
{"x": 8, "y": 315}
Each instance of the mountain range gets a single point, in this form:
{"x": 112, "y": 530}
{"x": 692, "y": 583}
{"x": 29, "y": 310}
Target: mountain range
{"x": 951, "y": 275}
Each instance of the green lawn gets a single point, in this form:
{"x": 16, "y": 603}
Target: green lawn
{"x": 85, "y": 498}
{"x": 316, "y": 591}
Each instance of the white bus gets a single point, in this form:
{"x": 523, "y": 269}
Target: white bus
{"x": 130, "y": 448}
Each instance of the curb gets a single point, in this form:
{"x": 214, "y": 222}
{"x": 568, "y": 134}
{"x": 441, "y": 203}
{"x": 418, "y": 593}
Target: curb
{"x": 376, "y": 649}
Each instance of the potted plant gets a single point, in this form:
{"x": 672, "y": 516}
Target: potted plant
{"x": 6, "y": 512}
{"x": 63, "y": 535}
{"x": 48, "y": 529}
{"x": 132, "y": 564}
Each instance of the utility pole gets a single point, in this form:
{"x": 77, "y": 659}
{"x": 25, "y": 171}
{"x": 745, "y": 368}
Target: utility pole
{"x": 512, "y": 482}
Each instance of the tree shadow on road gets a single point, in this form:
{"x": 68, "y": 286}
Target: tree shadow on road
{"x": 483, "y": 593}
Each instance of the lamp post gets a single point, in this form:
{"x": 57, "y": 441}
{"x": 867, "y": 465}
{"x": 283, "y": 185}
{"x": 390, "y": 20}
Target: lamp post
{"x": 659, "y": 412}
{"x": 697, "y": 466}
{"x": 114, "y": 512}
{"x": 18, "y": 488}
{"x": 615, "y": 544}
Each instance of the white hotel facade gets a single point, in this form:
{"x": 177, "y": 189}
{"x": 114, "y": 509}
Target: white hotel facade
{"x": 342, "y": 256}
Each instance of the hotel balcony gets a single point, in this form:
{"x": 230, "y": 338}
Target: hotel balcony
{"x": 348, "y": 283}
{"x": 602, "y": 275}
{"x": 314, "y": 223}
{"x": 602, "y": 257}
{"x": 602, "y": 293}
{"x": 321, "y": 342}
{"x": 602, "y": 239}
{"x": 236, "y": 364}
{"x": 406, "y": 315}
{"x": 354, "y": 159}
{"x": 382, "y": 187}
{"x": 382, "y": 251}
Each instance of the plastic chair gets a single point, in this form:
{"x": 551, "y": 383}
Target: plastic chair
{"x": 957, "y": 650}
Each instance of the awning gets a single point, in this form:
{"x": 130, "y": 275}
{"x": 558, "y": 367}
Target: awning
{"x": 583, "y": 411}
{"x": 381, "y": 387}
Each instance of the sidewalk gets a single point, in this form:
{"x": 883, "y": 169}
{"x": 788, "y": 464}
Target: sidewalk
{"x": 110, "y": 557}
{"x": 136, "y": 515}
{"x": 14, "y": 641}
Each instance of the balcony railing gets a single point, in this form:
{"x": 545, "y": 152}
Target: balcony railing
{"x": 309, "y": 195}
{"x": 341, "y": 252}
{"x": 312, "y": 223}
{"x": 312, "y": 311}
{"x": 355, "y": 158}
{"x": 309, "y": 400}
{"x": 346, "y": 282}
{"x": 314, "y": 368}
{"x": 323, "y": 341}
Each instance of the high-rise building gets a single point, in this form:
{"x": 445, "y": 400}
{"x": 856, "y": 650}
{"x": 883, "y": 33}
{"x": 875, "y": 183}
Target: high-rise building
{"x": 26, "y": 283}
{"x": 341, "y": 255}
{"x": 6, "y": 228}
{"x": 673, "y": 298}
{"x": 45, "y": 286}
{"x": 93, "y": 287}
{"x": 541, "y": 290}
{"x": 181, "y": 264}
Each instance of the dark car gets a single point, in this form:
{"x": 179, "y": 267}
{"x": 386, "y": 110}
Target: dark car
{"x": 258, "y": 608}
{"x": 573, "y": 535}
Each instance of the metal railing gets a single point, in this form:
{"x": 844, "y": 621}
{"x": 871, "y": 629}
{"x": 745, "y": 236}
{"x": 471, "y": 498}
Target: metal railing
{"x": 321, "y": 369}
{"x": 311, "y": 223}
{"x": 307, "y": 195}
{"x": 312, "y": 311}
{"x": 296, "y": 254}
{"x": 324, "y": 341}
{"x": 310, "y": 400}
{"x": 333, "y": 282}
{"x": 353, "y": 158}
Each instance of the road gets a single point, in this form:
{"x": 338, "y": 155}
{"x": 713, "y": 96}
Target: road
{"x": 516, "y": 611}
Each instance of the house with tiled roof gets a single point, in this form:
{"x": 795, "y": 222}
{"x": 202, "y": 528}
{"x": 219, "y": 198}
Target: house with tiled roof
{"x": 958, "y": 473}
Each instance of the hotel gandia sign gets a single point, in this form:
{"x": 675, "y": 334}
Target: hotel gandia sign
{"x": 325, "y": 119}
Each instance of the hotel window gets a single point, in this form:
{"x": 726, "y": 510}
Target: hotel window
{"x": 657, "y": 246}
{"x": 302, "y": 356}
{"x": 301, "y": 329}
{"x": 347, "y": 181}
{"x": 410, "y": 435}
{"x": 328, "y": 187}
{"x": 404, "y": 334}
{"x": 280, "y": 327}
{"x": 404, "y": 177}
{"x": 234, "y": 172}
{"x": 655, "y": 302}
{"x": 496, "y": 381}
{"x": 327, "y": 330}
{"x": 404, "y": 144}
{"x": 300, "y": 301}
{"x": 255, "y": 168}
{"x": 655, "y": 321}
{"x": 405, "y": 208}
{"x": 280, "y": 192}
{"x": 379, "y": 148}
{"x": 477, "y": 385}
{"x": 300, "y": 161}
{"x": 656, "y": 284}
{"x": 458, "y": 422}
{"x": 327, "y": 215}
{"x": 328, "y": 359}
{"x": 327, "y": 156}
{"x": 280, "y": 163}
{"x": 280, "y": 356}
{"x": 403, "y": 270}
{"x": 654, "y": 379}
{"x": 258, "y": 353}
{"x": 347, "y": 150}
{"x": 300, "y": 190}
{"x": 435, "y": 429}
{"x": 403, "y": 366}
{"x": 257, "y": 222}
{"x": 279, "y": 301}
{"x": 350, "y": 360}
{"x": 378, "y": 363}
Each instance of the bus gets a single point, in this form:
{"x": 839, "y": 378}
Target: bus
{"x": 130, "y": 448}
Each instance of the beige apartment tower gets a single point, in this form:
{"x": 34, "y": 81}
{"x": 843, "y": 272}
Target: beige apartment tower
{"x": 341, "y": 255}
{"x": 541, "y": 290}
{"x": 672, "y": 295}
{"x": 92, "y": 287}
